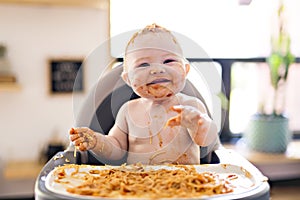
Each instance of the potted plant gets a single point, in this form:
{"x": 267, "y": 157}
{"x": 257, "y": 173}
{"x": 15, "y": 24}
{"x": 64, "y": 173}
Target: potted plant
{"x": 269, "y": 132}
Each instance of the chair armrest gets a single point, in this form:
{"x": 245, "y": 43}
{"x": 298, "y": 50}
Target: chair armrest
{"x": 61, "y": 158}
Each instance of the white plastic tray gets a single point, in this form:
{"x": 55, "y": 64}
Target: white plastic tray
{"x": 246, "y": 182}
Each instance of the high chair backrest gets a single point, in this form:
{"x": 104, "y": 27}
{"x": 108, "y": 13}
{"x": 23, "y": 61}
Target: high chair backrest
{"x": 100, "y": 108}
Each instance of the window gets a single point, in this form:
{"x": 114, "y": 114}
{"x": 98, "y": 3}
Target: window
{"x": 223, "y": 28}
{"x": 251, "y": 86}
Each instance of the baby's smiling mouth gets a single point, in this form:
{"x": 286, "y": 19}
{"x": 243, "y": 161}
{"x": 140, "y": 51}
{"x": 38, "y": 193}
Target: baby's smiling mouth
{"x": 160, "y": 80}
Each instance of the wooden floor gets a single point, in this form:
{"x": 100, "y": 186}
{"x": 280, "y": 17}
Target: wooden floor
{"x": 285, "y": 190}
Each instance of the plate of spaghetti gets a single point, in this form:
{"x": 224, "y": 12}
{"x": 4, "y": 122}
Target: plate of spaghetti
{"x": 150, "y": 181}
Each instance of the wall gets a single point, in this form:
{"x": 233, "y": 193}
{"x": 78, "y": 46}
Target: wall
{"x": 29, "y": 118}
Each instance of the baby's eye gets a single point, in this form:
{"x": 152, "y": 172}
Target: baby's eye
{"x": 143, "y": 65}
{"x": 169, "y": 61}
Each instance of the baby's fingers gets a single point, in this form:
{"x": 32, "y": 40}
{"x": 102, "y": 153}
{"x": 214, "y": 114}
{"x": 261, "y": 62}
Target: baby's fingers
{"x": 174, "y": 121}
{"x": 74, "y": 137}
{"x": 200, "y": 121}
{"x": 78, "y": 141}
{"x": 72, "y": 131}
{"x": 83, "y": 146}
{"x": 177, "y": 108}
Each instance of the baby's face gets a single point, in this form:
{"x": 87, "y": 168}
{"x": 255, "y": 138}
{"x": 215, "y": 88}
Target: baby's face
{"x": 155, "y": 73}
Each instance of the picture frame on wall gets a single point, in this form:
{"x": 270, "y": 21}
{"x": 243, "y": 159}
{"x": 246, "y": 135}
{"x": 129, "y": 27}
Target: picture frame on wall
{"x": 66, "y": 75}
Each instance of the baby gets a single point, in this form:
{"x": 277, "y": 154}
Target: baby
{"x": 164, "y": 125}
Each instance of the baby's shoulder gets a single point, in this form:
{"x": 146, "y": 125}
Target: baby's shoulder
{"x": 183, "y": 98}
{"x": 135, "y": 103}
{"x": 189, "y": 100}
{"x": 129, "y": 105}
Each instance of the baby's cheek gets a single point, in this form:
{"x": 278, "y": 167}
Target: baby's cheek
{"x": 138, "y": 78}
{"x": 141, "y": 89}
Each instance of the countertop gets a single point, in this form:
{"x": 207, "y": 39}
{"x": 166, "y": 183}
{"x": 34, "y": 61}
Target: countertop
{"x": 271, "y": 164}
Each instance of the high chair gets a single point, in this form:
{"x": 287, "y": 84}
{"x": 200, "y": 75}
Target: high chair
{"x": 98, "y": 112}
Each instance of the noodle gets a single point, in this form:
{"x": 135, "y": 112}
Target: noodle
{"x": 138, "y": 182}
{"x": 75, "y": 153}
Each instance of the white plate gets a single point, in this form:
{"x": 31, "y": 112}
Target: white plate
{"x": 245, "y": 182}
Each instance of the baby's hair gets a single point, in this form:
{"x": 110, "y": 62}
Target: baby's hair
{"x": 149, "y": 28}
{"x": 152, "y": 28}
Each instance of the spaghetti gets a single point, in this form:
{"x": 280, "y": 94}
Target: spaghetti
{"x": 138, "y": 182}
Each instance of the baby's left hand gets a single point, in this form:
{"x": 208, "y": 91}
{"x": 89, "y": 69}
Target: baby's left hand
{"x": 188, "y": 116}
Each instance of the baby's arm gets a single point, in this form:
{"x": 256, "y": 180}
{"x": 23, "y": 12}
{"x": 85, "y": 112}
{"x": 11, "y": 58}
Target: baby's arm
{"x": 111, "y": 146}
{"x": 200, "y": 126}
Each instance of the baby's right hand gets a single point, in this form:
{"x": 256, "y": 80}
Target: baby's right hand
{"x": 83, "y": 138}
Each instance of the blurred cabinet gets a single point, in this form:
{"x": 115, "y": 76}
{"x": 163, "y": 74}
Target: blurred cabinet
{"x": 9, "y": 87}
{"x": 17, "y": 179}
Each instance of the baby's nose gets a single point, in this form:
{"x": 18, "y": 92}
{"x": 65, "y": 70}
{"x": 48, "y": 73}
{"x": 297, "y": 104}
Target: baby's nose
{"x": 157, "y": 70}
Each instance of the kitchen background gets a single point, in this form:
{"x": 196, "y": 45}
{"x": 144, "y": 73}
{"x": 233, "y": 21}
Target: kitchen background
{"x": 31, "y": 117}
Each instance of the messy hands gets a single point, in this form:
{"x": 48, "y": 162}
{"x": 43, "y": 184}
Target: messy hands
{"x": 189, "y": 117}
{"x": 83, "y": 138}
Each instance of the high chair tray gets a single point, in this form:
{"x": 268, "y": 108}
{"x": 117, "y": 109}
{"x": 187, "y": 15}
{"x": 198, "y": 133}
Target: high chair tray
{"x": 248, "y": 183}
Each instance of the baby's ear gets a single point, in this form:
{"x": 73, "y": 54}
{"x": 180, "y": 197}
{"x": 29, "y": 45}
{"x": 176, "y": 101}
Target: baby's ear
{"x": 124, "y": 76}
{"x": 187, "y": 68}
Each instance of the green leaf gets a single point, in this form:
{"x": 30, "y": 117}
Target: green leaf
{"x": 288, "y": 60}
{"x": 275, "y": 61}
{"x": 224, "y": 100}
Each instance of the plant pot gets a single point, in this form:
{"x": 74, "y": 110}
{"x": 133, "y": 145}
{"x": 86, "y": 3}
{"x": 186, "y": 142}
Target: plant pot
{"x": 268, "y": 133}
